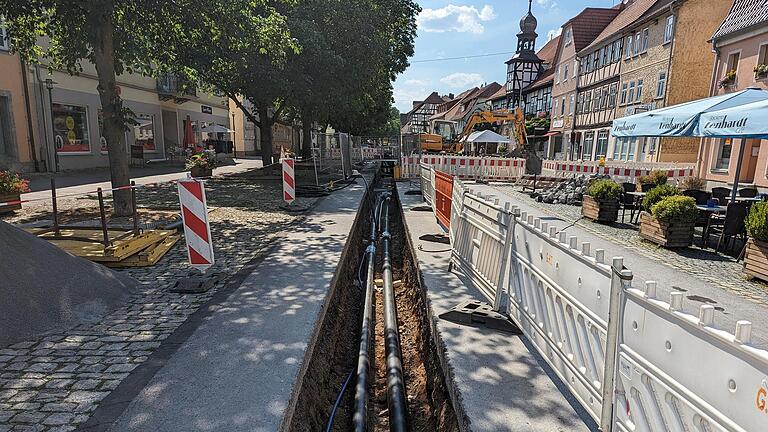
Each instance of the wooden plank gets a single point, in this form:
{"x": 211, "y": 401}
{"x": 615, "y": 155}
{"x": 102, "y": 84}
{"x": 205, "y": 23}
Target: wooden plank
{"x": 149, "y": 256}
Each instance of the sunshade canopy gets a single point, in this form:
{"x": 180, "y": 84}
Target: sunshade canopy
{"x": 683, "y": 119}
{"x": 744, "y": 121}
{"x": 486, "y": 136}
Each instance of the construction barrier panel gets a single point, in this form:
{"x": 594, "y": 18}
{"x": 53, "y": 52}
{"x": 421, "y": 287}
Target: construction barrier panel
{"x": 457, "y": 206}
{"x": 443, "y": 197}
{"x": 619, "y": 170}
{"x": 481, "y": 243}
{"x": 428, "y": 185}
{"x": 559, "y": 295}
{"x": 466, "y": 167}
{"x": 677, "y": 372}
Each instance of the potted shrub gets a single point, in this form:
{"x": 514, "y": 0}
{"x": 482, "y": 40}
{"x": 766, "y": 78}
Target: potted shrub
{"x": 654, "y": 178}
{"x": 756, "y": 256}
{"x": 11, "y": 188}
{"x": 671, "y": 220}
{"x": 601, "y": 202}
{"x": 693, "y": 183}
{"x": 202, "y": 164}
{"x": 728, "y": 79}
{"x": 761, "y": 70}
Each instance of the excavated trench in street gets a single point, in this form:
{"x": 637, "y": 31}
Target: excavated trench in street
{"x": 333, "y": 354}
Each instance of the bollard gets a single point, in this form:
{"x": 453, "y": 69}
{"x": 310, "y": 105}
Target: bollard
{"x": 56, "y": 230}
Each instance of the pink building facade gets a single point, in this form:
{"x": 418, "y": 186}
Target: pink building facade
{"x": 740, "y": 46}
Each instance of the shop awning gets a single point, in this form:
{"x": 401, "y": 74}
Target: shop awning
{"x": 745, "y": 121}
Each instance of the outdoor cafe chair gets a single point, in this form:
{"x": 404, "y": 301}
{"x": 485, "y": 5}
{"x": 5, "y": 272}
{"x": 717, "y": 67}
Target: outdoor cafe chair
{"x": 731, "y": 226}
{"x": 748, "y": 193}
{"x": 721, "y": 194}
{"x": 701, "y": 197}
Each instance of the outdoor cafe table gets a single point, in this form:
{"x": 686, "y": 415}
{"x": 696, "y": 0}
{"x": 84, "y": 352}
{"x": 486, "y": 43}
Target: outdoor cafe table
{"x": 710, "y": 211}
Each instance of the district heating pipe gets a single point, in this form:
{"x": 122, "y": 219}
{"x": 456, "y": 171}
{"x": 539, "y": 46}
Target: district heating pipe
{"x": 359, "y": 418}
{"x": 395, "y": 382}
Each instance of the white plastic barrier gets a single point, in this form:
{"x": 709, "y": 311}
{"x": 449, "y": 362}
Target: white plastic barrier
{"x": 481, "y": 243}
{"x": 428, "y": 185}
{"x": 457, "y": 206}
{"x": 676, "y": 372}
{"x": 560, "y": 294}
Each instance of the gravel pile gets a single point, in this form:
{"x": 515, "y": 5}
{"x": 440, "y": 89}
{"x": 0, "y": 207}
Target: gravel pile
{"x": 570, "y": 192}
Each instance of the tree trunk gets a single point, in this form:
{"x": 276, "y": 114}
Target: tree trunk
{"x": 306, "y": 130}
{"x": 266, "y": 134}
{"x": 101, "y": 18}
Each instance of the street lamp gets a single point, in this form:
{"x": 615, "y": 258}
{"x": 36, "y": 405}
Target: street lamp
{"x": 49, "y": 83}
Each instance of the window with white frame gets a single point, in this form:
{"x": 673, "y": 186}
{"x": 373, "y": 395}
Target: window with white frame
{"x": 568, "y": 36}
{"x": 602, "y": 144}
{"x": 596, "y": 60}
{"x": 580, "y": 104}
{"x": 554, "y": 106}
{"x": 628, "y": 47}
{"x": 565, "y": 72}
{"x": 596, "y": 100}
{"x": 604, "y": 98}
{"x": 589, "y": 140}
{"x": 624, "y": 149}
{"x": 631, "y": 94}
{"x": 557, "y": 75}
{"x": 669, "y": 29}
{"x": 733, "y": 61}
{"x": 575, "y": 67}
{"x": 638, "y": 43}
{"x": 644, "y": 47}
{"x": 562, "y": 106}
{"x": 612, "y": 95}
{"x": 661, "y": 85}
{"x": 724, "y": 148}
{"x": 762, "y": 59}
{"x": 639, "y": 94}
{"x": 606, "y": 55}
{"x": 587, "y": 102}
{"x": 573, "y": 103}
{"x": 623, "y": 99}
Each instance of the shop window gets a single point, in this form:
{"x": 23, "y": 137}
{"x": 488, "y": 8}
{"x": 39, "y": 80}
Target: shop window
{"x": 724, "y": 148}
{"x": 70, "y": 129}
{"x": 144, "y": 132}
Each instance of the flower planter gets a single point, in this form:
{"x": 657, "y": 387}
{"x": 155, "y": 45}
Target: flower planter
{"x": 8, "y": 198}
{"x": 600, "y": 211}
{"x": 201, "y": 172}
{"x": 756, "y": 259}
{"x": 669, "y": 235}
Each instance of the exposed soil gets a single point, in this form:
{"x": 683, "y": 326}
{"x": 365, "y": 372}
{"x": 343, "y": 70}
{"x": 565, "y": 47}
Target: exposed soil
{"x": 333, "y": 355}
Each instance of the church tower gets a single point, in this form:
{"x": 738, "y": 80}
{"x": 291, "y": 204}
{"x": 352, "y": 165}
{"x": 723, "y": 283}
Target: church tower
{"x": 525, "y": 66}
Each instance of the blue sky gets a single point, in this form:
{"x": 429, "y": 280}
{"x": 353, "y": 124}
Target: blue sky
{"x": 456, "y": 28}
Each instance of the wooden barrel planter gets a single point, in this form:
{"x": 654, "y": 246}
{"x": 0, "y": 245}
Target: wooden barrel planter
{"x": 756, "y": 259}
{"x": 9, "y": 198}
{"x": 600, "y": 211}
{"x": 669, "y": 235}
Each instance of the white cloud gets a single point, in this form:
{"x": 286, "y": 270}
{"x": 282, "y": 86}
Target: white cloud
{"x": 417, "y": 82}
{"x": 547, "y": 3}
{"x": 554, "y": 33}
{"x": 462, "y": 80}
{"x": 462, "y": 19}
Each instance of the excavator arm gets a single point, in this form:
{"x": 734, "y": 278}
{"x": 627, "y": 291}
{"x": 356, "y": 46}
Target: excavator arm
{"x": 481, "y": 117}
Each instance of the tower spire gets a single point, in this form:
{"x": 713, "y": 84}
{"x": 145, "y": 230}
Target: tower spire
{"x": 530, "y": 2}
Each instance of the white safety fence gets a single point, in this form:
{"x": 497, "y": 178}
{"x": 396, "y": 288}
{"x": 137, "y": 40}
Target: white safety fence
{"x": 661, "y": 369}
{"x": 677, "y": 372}
{"x": 428, "y": 185}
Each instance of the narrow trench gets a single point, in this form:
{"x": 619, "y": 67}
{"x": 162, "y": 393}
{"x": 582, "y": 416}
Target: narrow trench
{"x": 334, "y": 354}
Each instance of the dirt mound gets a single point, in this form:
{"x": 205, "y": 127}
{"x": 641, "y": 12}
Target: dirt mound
{"x": 44, "y": 288}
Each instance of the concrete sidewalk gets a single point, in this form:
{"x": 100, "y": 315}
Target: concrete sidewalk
{"x": 236, "y": 371}
{"x": 502, "y": 384}
{"x": 731, "y": 306}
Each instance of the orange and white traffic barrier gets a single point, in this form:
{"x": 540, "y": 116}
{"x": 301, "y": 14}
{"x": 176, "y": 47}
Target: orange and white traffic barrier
{"x": 289, "y": 181}
{"x": 197, "y": 230}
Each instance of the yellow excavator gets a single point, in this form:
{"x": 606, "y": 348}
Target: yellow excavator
{"x": 433, "y": 143}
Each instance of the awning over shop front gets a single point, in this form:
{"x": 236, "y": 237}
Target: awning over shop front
{"x": 745, "y": 121}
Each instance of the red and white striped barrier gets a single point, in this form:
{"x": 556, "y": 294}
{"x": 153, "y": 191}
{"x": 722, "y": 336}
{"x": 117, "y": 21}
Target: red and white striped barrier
{"x": 630, "y": 171}
{"x": 197, "y": 230}
{"x": 466, "y": 167}
{"x": 289, "y": 181}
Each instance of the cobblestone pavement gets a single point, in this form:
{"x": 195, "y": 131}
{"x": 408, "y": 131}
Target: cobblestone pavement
{"x": 55, "y": 382}
{"x": 705, "y": 264}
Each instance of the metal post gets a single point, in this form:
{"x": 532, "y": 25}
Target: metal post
{"x": 395, "y": 381}
{"x": 619, "y": 277}
{"x": 103, "y": 217}
{"x": 135, "y": 209}
{"x": 735, "y": 189}
{"x": 56, "y": 230}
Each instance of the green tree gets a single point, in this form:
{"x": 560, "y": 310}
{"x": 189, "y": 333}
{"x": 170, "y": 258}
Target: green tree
{"x": 119, "y": 36}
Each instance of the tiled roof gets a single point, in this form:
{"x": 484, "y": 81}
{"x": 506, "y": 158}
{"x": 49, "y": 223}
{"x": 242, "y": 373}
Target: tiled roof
{"x": 743, "y": 15}
{"x": 501, "y": 93}
{"x": 631, "y": 13}
{"x": 548, "y": 52}
{"x": 469, "y": 99}
{"x": 588, "y": 24}
{"x": 434, "y": 98}
{"x": 547, "y": 78}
